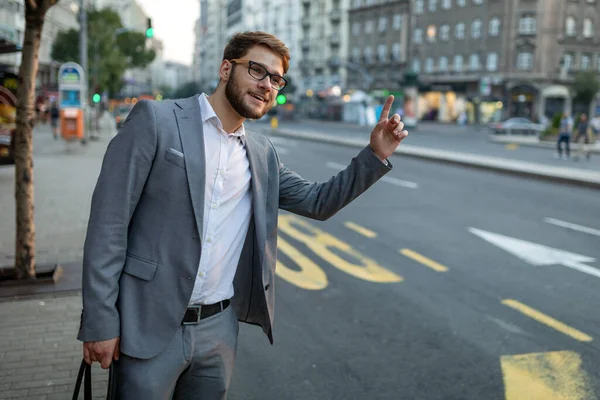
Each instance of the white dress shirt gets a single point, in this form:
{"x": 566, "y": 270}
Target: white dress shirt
{"x": 227, "y": 208}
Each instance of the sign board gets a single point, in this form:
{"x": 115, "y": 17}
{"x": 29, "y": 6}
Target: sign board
{"x": 71, "y": 86}
{"x": 485, "y": 86}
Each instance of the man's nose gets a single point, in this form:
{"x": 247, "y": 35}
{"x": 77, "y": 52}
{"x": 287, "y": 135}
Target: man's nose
{"x": 265, "y": 83}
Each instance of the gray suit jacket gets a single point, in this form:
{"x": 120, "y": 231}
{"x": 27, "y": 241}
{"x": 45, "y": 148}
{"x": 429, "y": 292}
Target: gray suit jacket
{"x": 143, "y": 242}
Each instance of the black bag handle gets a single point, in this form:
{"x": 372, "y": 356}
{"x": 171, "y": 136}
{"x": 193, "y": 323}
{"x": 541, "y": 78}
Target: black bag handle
{"x": 85, "y": 375}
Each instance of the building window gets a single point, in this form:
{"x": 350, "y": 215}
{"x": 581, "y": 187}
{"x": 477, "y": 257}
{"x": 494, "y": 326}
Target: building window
{"x": 458, "y": 63}
{"x": 476, "y": 28}
{"x": 492, "y": 62}
{"x": 431, "y": 33}
{"x": 527, "y": 25}
{"x": 396, "y": 51}
{"x": 588, "y": 28}
{"x": 356, "y": 28}
{"x": 446, "y": 4}
{"x": 416, "y": 66}
{"x": 418, "y": 35}
{"x": 429, "y": 65}
{"x": 567, "y": 61}
{"x": 369, "y": 26}
{"x": 586, "y": 61}
{"x": 432, "y": 5}
{"x": 525, "y": 61}
{"x": 494, "y": 28}
{"x": 570, "y": 27}
{"x": 443, "y": 64}
{"x": 397, "y": 21}
{"x": 419, "y": 6}
{"x": 478, "y": 2}
{"x": 459, "y": 30}
{"x": 356, "y": 54}
{"x": 461, "y": 3}
{"x": 445, "y": 32}
{"x": 382, "y": 52}
{"x": 474, "y": 62}
{"x": 368, "y": 54}
{"x": 382, "y": 24}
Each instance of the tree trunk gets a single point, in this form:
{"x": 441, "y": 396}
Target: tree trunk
{"x": 25, "y": 235}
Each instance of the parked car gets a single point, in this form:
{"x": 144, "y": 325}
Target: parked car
{"x": 7, "y": 146}
{"x": 516, "y": 126}
{"x": 121, "y": 113}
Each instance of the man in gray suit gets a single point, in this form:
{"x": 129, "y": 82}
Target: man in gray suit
{"x": 182, "y": 236}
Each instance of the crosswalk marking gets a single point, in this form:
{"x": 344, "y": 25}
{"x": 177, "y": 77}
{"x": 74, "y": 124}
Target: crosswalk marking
{"x": 393, "y": 181}
{"x": 360, "y": 229}
{"x": 547, "y": 320}
{"x": 575, "y": 227}
{"x": 428, "y": 262}
{"x": 555, "y": 375}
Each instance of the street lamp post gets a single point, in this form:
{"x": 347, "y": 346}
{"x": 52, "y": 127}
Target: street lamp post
{"x": 83, "y": 58}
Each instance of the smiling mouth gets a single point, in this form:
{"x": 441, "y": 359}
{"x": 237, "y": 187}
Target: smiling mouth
{"x": 258, "y": 97}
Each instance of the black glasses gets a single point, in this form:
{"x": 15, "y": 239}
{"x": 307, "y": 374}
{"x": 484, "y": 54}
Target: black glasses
{"x": 259, "y": 72}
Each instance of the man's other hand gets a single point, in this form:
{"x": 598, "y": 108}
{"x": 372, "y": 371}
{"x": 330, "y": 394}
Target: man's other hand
{"x": 103, "y": 352}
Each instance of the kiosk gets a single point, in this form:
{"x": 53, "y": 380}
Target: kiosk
{"x": 71, "y": 100}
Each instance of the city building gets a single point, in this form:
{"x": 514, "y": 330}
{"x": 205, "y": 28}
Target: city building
{"x": 495, "y": 59}
{"x": 210, "y": 41}
{"x": 172, "y": 75}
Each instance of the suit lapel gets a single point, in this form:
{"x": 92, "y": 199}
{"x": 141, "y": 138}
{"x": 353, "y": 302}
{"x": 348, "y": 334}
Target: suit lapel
{"x": 258, "y": 170}
{"x": 191, "y": 134}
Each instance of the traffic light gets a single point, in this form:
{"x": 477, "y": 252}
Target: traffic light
{"x": 281, "y": 99}
{"x": 149, "y": 29}
{"x": 96, "y": 98}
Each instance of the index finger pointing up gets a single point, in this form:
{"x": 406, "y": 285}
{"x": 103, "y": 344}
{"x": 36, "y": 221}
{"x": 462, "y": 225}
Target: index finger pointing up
{"x": 386, "y": 108}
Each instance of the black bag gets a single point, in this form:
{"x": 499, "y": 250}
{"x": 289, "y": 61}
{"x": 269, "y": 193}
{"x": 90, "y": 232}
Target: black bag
{"x": 86, "y": 369}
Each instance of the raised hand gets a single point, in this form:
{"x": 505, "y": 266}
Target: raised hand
{"x": 388, "y": 133}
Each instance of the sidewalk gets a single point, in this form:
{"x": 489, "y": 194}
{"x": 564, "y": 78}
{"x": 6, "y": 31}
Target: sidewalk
{"x": 589, "y": 177}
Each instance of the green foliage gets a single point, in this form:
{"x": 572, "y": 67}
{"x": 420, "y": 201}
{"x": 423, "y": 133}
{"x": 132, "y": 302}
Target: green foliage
{"x": 187, "y": 90}
{"x": 586, "y": 85}
{"x": 110, "y": 53}
{"x": 556, "y": 120}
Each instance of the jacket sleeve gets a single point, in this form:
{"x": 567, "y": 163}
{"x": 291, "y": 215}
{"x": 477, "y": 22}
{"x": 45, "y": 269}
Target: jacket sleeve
{"x": 321, "y": 201}
{"x": 124, "y": 172}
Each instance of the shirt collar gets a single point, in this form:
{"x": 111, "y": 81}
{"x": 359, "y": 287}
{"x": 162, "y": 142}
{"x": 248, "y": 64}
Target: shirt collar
{"x": 208, "y": 114}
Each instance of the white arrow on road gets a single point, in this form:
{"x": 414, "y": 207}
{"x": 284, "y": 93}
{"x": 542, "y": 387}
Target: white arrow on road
{"x": 537, "y": 254}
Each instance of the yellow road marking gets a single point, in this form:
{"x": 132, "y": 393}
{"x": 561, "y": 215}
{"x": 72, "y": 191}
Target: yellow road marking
{"x": 359, "y": 229}
{"x": 428, "y": 262}
{"x": 545, "y": 376}
{"x": 547, "y": 320}
{"x": 310, "y": 276}
{"x": 511, "y": 146}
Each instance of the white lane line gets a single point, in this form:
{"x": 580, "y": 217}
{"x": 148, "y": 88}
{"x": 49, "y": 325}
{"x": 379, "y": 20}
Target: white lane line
{"x": 282, "y": 150}
{"x": 393, "y": 181}
{"x": 575, "y": 227}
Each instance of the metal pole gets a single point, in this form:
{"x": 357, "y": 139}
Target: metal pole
{"x": 83, "y": 59}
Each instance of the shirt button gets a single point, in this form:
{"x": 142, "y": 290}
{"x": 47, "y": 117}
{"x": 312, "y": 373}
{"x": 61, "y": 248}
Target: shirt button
{"x": 214, "y": 206}
{"x": 209, "y": 240}
{"x": 200, "y": 274}
{"x": 224, "y": 141}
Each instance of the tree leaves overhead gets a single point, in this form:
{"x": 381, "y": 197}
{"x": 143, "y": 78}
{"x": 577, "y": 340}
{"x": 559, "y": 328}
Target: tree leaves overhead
{"x": 586, "y": 85}
{"x": 110, "y": 50}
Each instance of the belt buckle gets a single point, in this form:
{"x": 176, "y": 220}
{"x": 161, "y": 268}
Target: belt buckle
{"x": 198, "y": 316}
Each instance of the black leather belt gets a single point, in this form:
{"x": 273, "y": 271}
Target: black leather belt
{"x": 194, "y": 314}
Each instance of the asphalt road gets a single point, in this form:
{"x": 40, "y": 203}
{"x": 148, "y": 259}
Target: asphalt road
{"x": 468, "y": 139}
{"x": 424, "y": 307}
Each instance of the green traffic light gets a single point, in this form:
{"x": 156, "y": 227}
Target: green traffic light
{"x": 281, "y": 99}
{"x": 96, "y": 98}
{"x": 150, "y": 32}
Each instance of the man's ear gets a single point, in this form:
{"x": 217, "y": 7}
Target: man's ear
{"x": 225, "y": 70}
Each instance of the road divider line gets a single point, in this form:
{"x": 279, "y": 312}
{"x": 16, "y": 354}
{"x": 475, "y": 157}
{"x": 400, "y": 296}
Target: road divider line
{"x": 428, "y": 262}
{"x": 360, "y": 229}
{"x": 575, "y": 227}
{"x": 393, "y": 181}
{"x": 547, "y": 320}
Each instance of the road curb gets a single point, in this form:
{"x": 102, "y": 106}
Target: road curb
{"x": 572, "y": 176}
{"x": 540, "y": 144}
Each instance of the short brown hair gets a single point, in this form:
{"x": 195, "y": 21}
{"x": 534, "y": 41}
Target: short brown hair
{"x": 239, "y": 45}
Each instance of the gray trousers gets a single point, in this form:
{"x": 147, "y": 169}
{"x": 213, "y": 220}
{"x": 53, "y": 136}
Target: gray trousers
{"x": 197, "y": 364}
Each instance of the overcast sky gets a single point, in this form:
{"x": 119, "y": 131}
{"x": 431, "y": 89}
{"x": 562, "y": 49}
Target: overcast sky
{"x": 173, "y": 23}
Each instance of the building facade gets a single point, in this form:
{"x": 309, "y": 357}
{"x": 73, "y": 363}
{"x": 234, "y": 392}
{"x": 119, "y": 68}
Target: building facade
{"x": 210, "y": 41}
{"x": 495, "y": 59}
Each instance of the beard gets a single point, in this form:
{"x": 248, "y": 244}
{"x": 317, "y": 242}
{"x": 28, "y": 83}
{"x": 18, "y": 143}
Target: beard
{"x": 235, "y": 96}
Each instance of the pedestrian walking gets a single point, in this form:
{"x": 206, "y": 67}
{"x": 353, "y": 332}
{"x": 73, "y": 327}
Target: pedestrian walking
{"x": 54, "y": 116}
{"x": 583, "y": 138}
{"x": 182, "y": 235}
{"x": 566, "y": 127}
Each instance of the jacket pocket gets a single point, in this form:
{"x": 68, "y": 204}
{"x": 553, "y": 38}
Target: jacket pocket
{"x": 176, "y": 157}
{"x": 139, "y": 268}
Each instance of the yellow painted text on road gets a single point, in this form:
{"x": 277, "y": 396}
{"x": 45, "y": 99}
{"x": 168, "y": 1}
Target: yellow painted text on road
{"x": 309, "y": 277}
{"x": 545, "y": 376}
{"x": 360, "y": 229}
{"x": 324, "y": 245}
{"x": 511, "y": 146}
{"x": 547, "y": 320}
{"x": 428, "y": 262}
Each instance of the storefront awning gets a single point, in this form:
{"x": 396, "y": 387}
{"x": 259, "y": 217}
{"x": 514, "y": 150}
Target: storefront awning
{"x": 8, "y": 40}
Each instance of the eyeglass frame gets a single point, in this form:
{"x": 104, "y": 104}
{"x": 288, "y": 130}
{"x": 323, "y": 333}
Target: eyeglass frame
{"x": 267, "y": 73}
